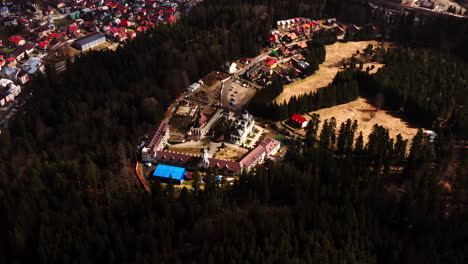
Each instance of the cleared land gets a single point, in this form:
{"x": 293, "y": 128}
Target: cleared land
{"x": 230, "y": 153}
{"x": 329, "y": 68}
{"x": 367, "y": 116}
{"x": 189, "y": 150}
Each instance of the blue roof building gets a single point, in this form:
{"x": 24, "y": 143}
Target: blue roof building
{"x": 165, "y": 172}
{"x": 32, "y": 66}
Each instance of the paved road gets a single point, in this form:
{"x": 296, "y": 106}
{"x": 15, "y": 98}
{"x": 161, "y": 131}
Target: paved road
{"x": 19, "y": 101}
{"x": 414, "y": 8}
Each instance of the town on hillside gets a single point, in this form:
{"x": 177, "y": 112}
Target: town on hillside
{"x": 35, "y": 33}
{"x": 207, "y": 129}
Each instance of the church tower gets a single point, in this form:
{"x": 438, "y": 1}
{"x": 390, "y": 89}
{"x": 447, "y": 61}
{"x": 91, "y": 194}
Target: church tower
{"x": 204, "y": 162}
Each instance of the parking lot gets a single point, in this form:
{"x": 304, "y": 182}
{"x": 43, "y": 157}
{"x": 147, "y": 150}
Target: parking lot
{"x": 236, "y": 94}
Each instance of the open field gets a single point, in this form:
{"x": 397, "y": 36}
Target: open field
{"x": 367, "y": 116}
{"x": 328, "y": 69}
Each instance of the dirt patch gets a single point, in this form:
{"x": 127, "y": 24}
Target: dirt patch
{"x": 186, "y": 150}
{"x": 235, "y": 91}
{"x": 230, "y": 153}
{"x": 367, "y": 116}
{"x": 328, "y": 69}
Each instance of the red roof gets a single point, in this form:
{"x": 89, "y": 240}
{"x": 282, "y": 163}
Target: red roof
{"x": 228, "y": 165}
{"x": 253, "y": 156}
{"x": 15, "y": 39}
{"x": 270, "y": 144}
{"x": 42, "y": 44}
{"x": 270, "y": 62}
{"x": 124, "y": 23}
{"x": 298, "y": 119}
{"x": 142, "y": 29}
{"x": 53, "y": 35}
{"x": 122, "y": 36}
{"x": 114, "y": 30}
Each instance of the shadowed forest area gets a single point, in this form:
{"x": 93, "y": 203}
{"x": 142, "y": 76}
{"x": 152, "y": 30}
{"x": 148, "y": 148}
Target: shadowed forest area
{"x": 68, "y": 193}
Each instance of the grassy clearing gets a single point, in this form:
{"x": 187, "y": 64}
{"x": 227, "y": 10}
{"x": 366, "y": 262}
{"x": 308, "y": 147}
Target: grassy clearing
{"x": 367, "y": 116}
{"x": 328, "y": 70}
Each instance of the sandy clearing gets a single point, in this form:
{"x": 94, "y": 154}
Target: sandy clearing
{"x": 329, "y": 68}
{"x": 362, "y": 111}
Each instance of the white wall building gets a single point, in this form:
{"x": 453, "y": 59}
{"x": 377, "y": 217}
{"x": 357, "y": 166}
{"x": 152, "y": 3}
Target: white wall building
{"x": 192, "y": 88}
{"x": 242, "y": 128}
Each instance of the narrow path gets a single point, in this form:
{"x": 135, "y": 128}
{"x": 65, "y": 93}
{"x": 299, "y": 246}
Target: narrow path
{"x": 139, "y": 174}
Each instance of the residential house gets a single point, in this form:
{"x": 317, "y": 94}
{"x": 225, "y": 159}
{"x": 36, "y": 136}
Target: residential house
{"x": 254, "y": 157}
{"x": 11, "y": 22}
{"x": 427, "y": 4}
{"x": 42, "y": 31}
{"x": 131, "y": 34}
{"x": 74, "y": 30}
{"x": 9, "y": 73}
{"x": 4, "y": 12}
{"x": 33, "y": 65}
{"x": 266, "y": 70}
{"x": 6, "y": 97}
{"x": 292, "y": 36}
{"x": 16, "y": 40}
{"x": 10, "y": 62}
{"x": 331, "y": 22}
{"x": 61, "y": 4}
{"x": 113, "y": 32}
{"x": 302, "y": 65}
{"x": 340, "y": 33}
{"x": 122, "y": 36}
{"x": 22, "y": 77}
{"x": 192, "y": 88}
{"x": 75, "y": 15}
{"x": 272, "y": 63}
{"x": 21, "y": 51}
{"x": 271, "y": 146}
{"x": 299, "y": 120}
{"x": 49, "y": 11}
{"x": 42, "y": 45}
{"x": 127, "y": 23}
{"x": 284, "y": 50}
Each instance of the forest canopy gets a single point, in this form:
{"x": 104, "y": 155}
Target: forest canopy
{"x": 68, "y": 193}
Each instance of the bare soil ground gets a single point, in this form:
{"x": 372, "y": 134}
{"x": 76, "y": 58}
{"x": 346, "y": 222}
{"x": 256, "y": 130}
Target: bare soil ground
{"x": 367, "y": 116}
{"x": 243, "y": 95}
{"x": 189, "y": 150}
{"x": 329, "y": 68}
{"x": 230, "y": 153}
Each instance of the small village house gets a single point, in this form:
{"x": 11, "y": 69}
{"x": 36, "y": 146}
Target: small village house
{"x": 299, "y": 120}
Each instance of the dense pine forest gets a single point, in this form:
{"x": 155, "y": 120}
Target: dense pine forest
{"x": 68, "y": 193}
